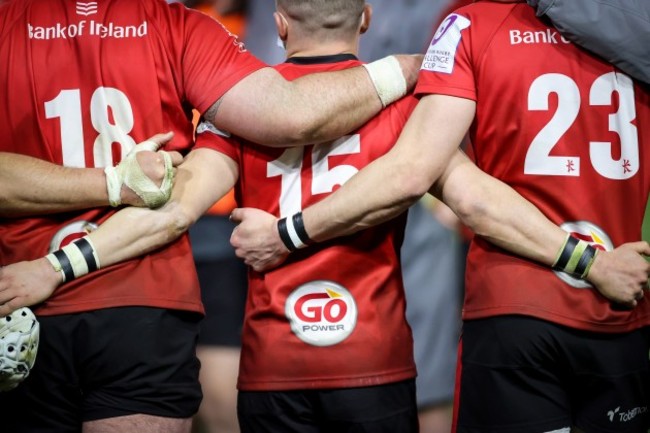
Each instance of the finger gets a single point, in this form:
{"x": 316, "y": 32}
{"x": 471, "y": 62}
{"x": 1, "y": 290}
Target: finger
{"x": 176, "y": 157}
{"x": 163, "y": 139}
{"x": 641, "y": 247}
{"x": 6, "y": 308}
{"x": 237, "y": 215}
{"x": 5, "y": 297}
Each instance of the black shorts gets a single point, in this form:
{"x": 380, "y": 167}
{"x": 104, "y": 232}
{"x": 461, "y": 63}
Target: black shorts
{"x": 107, "y": 363}
{"x": 223, "y": 278}
{"x": 389, "y": 408}
{"x": 223, "y": 291}
{"x": 524, "y": 375}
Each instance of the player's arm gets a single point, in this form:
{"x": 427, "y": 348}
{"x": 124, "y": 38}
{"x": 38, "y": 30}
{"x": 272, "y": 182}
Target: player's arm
{"x": 496, "y": 212}
{"x": 387, "y": 186}
{"x": 618, "y": 31}
{"x": 203, "y": 178}
{"x": 380, "y": 191}
{"x": 265, "y": 108}
{"x": 427, "y": 151}
{"x": 31, "y": 186}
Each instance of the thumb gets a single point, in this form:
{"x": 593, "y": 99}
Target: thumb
{"x": 154, "y": 143}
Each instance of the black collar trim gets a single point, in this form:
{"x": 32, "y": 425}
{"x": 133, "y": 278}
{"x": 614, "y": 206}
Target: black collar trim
{"x": 317, "y": 60}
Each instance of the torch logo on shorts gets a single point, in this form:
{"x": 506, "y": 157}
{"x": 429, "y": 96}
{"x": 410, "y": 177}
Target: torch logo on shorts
{"x": 595, "y": 236}
{"x": 71, "y": 232}
{"x": 321, "y": 313}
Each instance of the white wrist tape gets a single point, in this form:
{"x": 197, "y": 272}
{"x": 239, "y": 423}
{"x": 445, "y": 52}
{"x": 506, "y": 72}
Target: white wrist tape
{"x": 386, "y": 74}
{"x": 129, "y": 173}
{"x": 114, "y": 186}
{"x": 75, "y": 260}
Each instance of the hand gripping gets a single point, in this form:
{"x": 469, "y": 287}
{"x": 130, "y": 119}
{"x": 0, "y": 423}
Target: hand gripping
{"x": 129, "y": 173}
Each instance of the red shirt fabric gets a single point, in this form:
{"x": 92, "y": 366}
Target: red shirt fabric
{"x": 82, "y": 85}
{"x": 563, "y": 128}
{"x": 333, "y": 315}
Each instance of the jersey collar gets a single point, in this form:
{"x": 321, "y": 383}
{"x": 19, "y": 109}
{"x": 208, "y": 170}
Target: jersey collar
{"x": 317, "y": 60}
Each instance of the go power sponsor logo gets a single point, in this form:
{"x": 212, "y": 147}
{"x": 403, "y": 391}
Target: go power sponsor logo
{"x": 618, "y": 415}
{"x": 595, "y": 236}
{"x": 321, "y": 313}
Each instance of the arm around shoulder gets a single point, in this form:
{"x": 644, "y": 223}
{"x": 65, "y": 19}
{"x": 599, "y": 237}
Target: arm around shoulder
{"x": 267, "y": 109}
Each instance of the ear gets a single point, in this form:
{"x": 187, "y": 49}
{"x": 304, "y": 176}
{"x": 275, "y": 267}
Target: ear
{"x": 281, "y": 25}
{"x": 366, "y": 17}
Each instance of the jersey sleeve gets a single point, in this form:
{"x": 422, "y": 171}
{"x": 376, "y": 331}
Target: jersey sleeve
{"x": 211, "y": 59}
{"x": 209, "y": 137}
{"x": 447, "y": 67}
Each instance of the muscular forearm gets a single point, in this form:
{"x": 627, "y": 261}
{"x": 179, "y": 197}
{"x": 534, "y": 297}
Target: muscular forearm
{"x": 352, "y": 209}
{"x": 392, "y": 183}
{"x": 201, "y": 180}
{"x": 496, "y": 212}
{"x": 31, "y": 186}
{"x": 132, "y": 232}
{"x": 617, "y": 30}
{"x": 314, "y": 108}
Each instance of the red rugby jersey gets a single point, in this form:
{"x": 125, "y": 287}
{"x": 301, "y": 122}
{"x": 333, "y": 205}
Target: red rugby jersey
{"x": 568, "y": 132}
{"x": 81, "y": 84}
{"x": 332, "y": 315}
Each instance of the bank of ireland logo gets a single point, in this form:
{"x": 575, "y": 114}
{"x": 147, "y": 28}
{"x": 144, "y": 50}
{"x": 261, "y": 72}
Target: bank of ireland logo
{"x": 321, "y": 313}
{"x": 86, "y": 8}
{"x": 595, "y": 236}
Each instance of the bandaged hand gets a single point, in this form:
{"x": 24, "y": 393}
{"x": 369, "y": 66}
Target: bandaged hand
{"x": 129, "y": 172}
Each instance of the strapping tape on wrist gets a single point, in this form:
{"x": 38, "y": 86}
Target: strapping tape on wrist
{"x": 75, "y": 260}
{"x": 292, "y": 232}
{"x": 388, "y": 79}
{"x": 575, "y": 257}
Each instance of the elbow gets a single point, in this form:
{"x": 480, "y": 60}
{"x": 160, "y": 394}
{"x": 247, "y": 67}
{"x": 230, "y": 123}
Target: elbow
{"x": 412, "y": 188}
{"x": 297, "y": 130}
{"x": 473, "y": 213}
{"x": 178, "y": 221}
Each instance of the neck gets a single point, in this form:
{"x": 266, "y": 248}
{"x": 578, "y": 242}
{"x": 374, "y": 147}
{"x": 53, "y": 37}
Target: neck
{"x": 307, "y": 48}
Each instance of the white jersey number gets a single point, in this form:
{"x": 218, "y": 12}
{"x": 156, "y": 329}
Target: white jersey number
{"x": 324, "y": 177}
{"x": 539, "y": 159}
{"x": 111, "y": 116}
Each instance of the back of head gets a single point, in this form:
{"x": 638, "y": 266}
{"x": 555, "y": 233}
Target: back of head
{"x": 324, "y": 18}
